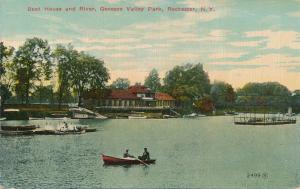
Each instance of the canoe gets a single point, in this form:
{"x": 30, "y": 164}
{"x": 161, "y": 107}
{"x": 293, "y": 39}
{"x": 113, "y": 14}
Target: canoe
{"x": 19, "y": 128}
{"x": 110, "y": 160}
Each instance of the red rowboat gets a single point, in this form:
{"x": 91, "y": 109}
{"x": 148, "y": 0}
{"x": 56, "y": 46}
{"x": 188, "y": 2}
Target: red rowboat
{"x": 109, "y": 160}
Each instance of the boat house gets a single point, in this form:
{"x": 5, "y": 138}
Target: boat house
{"x": 135, "y": 98}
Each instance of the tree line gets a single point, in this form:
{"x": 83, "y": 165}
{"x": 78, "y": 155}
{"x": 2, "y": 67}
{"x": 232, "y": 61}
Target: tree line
{"x": 26, "y": 74}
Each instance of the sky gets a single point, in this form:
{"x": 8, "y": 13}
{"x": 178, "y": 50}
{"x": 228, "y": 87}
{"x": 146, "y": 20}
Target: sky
{"x": 236, "y": 41}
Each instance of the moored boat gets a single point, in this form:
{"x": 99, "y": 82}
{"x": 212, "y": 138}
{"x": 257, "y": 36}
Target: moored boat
{"x": 137, "y": 117}
{"x": 193, "y": 115}
{"x": 110, "y": 160}
{"x": 14, "y": 133}
{"x": 36, "y": 118}
{"x": 19, "y": 128}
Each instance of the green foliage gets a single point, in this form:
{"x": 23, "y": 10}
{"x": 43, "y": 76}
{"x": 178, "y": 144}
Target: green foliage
{"x": 31, "y": 63}
{"x": 43, "y": 94}
{"x": 295, "y": 101}
{"x": 222, "y": 94}
{"x": 264, "y": 94}
{"x": 205, "y": 105}
{"x": 187, "y": 83}
{"x": 5, "y": 53}
{"x": 152, "y": 81}
{"x": 5, "y": 93}
{"x": 65, "y": 57}
{"x": 78, "y": 71}
{"x": 87, "y": 72}
{"x": 120, "y": 83}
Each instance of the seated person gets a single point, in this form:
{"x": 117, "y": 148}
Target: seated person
{"x": 145, "y": 156}
{"x": 126, "y": 154}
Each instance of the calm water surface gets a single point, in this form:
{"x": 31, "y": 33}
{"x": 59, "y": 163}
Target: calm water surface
{"x": 208, "y": 152}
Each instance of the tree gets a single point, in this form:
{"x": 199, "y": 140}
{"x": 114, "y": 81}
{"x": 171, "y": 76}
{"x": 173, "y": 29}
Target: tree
{"x": 187, "y": 83}
{"x": 43, "y": 94}
{"x": 87, "y": 72}
{"x": 204, "y": 105}
{"x": 222, "y": 94}
{"x": 32, "y": 63}
{"x": 5, "y": 53}
{"x": 65, "y": 57}
{"x": 295, "y": 101}
{"x": 5, "y": 94}
{"x": 152, "y": 81}
{"x": 120, "y": 83}
{"x": 271, "y": 94}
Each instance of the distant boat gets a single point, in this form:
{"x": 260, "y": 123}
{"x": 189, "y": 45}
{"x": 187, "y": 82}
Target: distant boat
{"x": 229, "y": 113}
{"x": 57, "y": 132}
{"x": 19, "y": 128}
{"x": 265, "y": 119}
{"x": 290, "y": 114}
{"x": 14, "y": 133}
{"x": 56, "y": 118}
{"x": 137, "y": 117}
{"x": 193, "y": 115}
{"x": 2, "y": 118}
{"x": 166, "y": 116}
{"x": 110, "y": 160}
{"x": 36, "y": 118}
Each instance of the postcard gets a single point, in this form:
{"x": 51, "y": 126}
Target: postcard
{"x": 149, "y": 94}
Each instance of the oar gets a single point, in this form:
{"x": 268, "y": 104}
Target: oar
{"x": 142, "y": 162}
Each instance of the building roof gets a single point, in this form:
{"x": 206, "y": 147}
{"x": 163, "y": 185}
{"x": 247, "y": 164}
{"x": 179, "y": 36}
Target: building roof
{"x": 122, "y": 94}
{"x": 163, "y": 96}
{"x": 131, "y": 93}
{"x": 139, "y": 89}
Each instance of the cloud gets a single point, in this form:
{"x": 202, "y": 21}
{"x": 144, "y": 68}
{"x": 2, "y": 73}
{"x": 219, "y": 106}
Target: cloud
{"x": 196, "y": 4}
{"x": 109, "y": 40}
{"x": 226, "y": 55}
{"x": 148, "y": 3}
{"x": 187, "y": 21}
{"x": 185, "y": 56}
{"x": 245, "y": 43}
{"x": 170, "y": 35}
{"x": 121, "y": 55}
{"x": 117, "y": 47}
{"x": 265, "y": 59}
{"x": 294, "y": 14}
{"x": 277, "y": 39}
{"x": 12, "y": 42}
{"x": 216, "y": 35}
{"x": 60, "y": 41}
{"x": 110, "y": 1}
{"x": 239, "y": 77}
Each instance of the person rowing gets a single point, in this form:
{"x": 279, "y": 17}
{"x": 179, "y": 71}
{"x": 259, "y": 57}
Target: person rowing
{"x": 127, "y": 155}
{"x": 145, "y": 156}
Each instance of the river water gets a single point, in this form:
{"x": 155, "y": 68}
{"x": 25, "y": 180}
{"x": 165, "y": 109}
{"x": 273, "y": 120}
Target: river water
{"x": 207, "y": 152}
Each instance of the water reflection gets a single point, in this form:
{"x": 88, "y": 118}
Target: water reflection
{"x": 205, "y": 153}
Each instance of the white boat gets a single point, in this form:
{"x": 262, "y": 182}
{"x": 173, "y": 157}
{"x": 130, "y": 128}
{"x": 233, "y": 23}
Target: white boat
{"x": 56, "y": 118}
{"x": 67, "y": 127}
{"x": 137, "y": 117}
{"x": 166, "y": 116}
{"x": 36, "y": 118}
{"x": 2, "y": 118}
{"x": 194, "y": 115}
